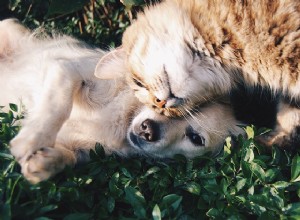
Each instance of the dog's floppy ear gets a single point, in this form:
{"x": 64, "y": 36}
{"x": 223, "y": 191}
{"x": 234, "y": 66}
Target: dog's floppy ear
{"x": 111, "y": 65}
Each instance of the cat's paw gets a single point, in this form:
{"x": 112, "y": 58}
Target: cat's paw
{"x": 280, "y": 139}
{"x": 43, "y": 164}
{"x": 289, "y": 141}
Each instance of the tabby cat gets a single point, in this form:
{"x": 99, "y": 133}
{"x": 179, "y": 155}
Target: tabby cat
{"x": 181, "y": 53}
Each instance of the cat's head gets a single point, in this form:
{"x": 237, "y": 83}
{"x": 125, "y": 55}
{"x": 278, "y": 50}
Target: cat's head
{"x": 168, "y": 64}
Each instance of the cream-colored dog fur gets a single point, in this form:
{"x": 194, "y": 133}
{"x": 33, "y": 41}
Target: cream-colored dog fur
{"x": 68, "y": 110}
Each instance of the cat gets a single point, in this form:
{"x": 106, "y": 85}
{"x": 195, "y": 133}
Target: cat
{"x": 68, "y": 110}
{"x": 182, "y": 53}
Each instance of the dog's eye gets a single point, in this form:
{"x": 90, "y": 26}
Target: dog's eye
{"x": 195, "y": 138}
{"x": 138, "y": 83}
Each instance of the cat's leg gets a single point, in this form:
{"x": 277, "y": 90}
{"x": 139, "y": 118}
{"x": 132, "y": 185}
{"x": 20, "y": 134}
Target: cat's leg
{"x": 46, "y": 162}
{"x": 286, "y": 131}
{"x": 52, "y": 108}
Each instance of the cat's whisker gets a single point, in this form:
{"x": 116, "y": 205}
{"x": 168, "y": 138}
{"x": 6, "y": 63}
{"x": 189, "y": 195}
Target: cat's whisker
{"x": 217, "y": 132}
{"x": 184, "y": 115}
{"x": 198, "y": 120}
{"x": 193, "y": 117}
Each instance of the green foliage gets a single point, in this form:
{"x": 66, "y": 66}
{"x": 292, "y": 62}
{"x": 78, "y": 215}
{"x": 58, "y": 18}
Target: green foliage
{"x": 244, "y": 182}
{"x": 99, "y": 22}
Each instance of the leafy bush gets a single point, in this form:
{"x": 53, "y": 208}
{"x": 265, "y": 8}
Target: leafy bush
{"x": 244, "y": 182}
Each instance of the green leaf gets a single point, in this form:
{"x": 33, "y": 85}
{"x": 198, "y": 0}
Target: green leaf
{"x": 271, "y": 174}
{"x": 251, "y": 190}
{"x": 110, "y": 204}
{"x": 47, "y": 208}
{"x": 126, "y": 172}
{"x": 171, "y": 200}
{"x": 193, "y": 188}
{"x": 246, "y": 169}
{"x": 13, "y": 107}
{"x": 297, "y": 179}
{"x": 156, "y": 214}
{"x": 137, "y": 200}
{"x": 276, "y": 155}
{"x": 292, "y": 209}
{"x": 151, "y": 171}
{"x": 281, "y": 184}
{"x": 214, "y": 213}
{"x": 249, "y": 156}
{"x": 250, "y": 132}
{"x": 258, "y": 171}
{"x": 295, "y": 169}
{"x": 129, "y": 3}
{"x": 224, "y": 186}
{"x": 240, "y": 199}
{"x": 59, "y": 7}
{"x": 7, "y": 156}
{"x": 113, "y": 186}
{"x": 227, "y": 146}
{"x": 240, "y": 184}
{"x": 13, "y": 4}
{"x": 268, "y": 199}
{"x": 214, "y": 188}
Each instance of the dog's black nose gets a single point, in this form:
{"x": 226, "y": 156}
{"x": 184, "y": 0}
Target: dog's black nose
{"x": 149, "y": 130}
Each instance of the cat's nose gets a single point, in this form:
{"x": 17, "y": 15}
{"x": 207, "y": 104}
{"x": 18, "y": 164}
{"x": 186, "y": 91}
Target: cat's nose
{"x": 149, "y": 130}
{"x": 169, "y": 103}
{"x": 160, "y": 103}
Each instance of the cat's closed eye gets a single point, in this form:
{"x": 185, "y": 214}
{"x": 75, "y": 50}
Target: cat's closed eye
{"x": 138, "y": 83}
{"x": 196, "y": 53}
{"x": 193, "y": 49}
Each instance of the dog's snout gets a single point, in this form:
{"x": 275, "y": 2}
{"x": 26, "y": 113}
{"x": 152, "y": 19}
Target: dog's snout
{"x": 149, "y": 130}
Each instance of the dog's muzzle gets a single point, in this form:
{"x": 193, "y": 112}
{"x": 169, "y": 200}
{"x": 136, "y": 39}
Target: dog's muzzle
{"x": 146, "y": 133}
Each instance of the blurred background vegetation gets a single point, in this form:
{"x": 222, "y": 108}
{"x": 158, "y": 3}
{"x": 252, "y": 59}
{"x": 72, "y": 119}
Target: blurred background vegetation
{"x": 99, "y": 22}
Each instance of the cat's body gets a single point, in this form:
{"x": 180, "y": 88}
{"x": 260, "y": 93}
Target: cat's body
{"x": 68, "y": 109}
{"x": 181, "y": 53}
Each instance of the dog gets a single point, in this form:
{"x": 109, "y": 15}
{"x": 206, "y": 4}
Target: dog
{"x": 68, "y": 110}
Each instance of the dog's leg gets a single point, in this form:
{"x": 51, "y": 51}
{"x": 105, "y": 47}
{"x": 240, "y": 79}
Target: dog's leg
{"x": 11, "y": 31}
{"x": 52, "y": 108}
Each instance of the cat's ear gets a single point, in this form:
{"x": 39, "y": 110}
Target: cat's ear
{"x": 111, "y": 65}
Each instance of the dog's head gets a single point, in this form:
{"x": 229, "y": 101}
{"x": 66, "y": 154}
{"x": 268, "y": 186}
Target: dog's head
{"x": 205, "y": 131}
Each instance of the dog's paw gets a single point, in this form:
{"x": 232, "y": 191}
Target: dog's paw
{"x": 43, "y": 164}
{"x": 27, "y": 142}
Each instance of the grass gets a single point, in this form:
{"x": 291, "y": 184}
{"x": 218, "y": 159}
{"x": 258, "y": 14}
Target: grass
{"x": 244, "y": 182}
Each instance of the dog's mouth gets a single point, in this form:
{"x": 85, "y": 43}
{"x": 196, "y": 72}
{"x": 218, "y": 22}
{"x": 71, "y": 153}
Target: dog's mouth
{"x": 146, "y": 134}
{"x": 136, "y": 142}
